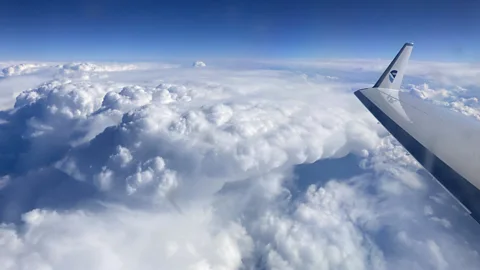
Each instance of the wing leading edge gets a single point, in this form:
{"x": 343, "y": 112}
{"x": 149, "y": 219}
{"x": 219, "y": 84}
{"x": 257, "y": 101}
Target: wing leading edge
{"x": 442, "y": 141}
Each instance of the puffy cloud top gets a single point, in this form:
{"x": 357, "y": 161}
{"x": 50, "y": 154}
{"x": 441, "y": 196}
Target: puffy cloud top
{"x": 86, "y": 67}
{"x": 199, "y": 64}
{"x": 20, "y": 69}
{"x": 222, "y": 169}
{"x": 27, "y": 68}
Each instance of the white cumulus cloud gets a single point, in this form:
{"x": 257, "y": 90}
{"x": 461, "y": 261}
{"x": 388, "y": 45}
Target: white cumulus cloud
{"x": 199, "y": 64}
{"x": 122, "y": 166}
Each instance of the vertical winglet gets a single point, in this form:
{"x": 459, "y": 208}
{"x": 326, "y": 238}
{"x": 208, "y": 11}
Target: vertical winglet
{"x": 392, "y": 77}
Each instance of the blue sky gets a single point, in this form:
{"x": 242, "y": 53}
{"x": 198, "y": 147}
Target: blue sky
{"x": 442, "y": 30}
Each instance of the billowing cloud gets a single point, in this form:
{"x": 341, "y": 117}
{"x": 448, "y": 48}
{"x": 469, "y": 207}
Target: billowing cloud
{"x": 121, "y": 166}
{"x": 457, "y": 98}
{"x": 96, "y": 67}
{"x": 21, "y": 69}
{"x": 199, "y": 64}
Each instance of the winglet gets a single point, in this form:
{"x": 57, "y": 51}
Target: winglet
{"x": 392, "y": 77}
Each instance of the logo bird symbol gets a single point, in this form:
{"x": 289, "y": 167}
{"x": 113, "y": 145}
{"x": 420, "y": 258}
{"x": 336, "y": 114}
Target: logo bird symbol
{"x": 392, "y": 75}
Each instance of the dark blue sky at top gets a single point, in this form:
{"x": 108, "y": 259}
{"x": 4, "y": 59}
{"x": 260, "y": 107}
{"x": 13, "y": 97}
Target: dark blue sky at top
{"x": 443, "y": 30}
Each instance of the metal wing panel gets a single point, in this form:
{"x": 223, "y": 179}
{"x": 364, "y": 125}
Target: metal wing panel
{"x": 439, "y": 140}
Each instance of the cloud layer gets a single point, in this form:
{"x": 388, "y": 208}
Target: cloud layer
{"x": 121, "y": 166}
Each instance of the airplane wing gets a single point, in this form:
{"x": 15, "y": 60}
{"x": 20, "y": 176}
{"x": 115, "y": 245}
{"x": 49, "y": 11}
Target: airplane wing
{"x": 444, "y": 142}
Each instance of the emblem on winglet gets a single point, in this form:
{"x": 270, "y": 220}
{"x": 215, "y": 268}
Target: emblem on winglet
{"x": 392, "y": 75}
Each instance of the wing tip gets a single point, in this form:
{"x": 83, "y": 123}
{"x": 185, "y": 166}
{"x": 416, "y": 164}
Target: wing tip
{"x": 408, "y": 44}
